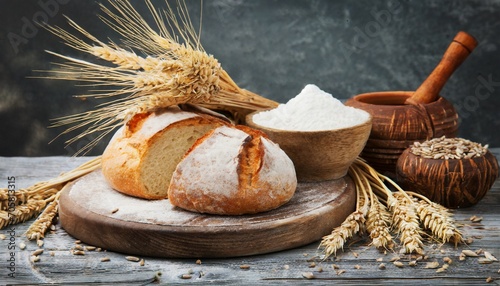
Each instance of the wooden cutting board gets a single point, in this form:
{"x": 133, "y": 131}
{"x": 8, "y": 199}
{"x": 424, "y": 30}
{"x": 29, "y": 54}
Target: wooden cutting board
{"x": 94, "y": 213}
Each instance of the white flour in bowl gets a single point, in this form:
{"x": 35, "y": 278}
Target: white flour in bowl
{"x": 311, "y": 110}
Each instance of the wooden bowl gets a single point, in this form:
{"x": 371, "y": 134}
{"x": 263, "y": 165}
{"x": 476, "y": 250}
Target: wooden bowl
{"x": 453, "y": 183}
{"x": 396, "y": 125}
{"x": 319, "y": 155}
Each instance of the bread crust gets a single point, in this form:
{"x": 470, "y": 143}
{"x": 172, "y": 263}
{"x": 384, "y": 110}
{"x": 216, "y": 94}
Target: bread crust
{"x": 233, "y": 171}
{"x": 124, "y": 158}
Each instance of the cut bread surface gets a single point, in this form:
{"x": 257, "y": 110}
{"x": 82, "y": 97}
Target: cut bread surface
{"x": 142, "y": 155}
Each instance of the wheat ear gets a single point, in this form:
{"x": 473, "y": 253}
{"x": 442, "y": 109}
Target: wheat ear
{"x": 152, "y": 69}
{"x": 38, "y": 196}
{"x": 353, "y": 224}
{"x": 378, "y": 224}
{"x": 438, "y": 220}
{"x": 406, "y": 223}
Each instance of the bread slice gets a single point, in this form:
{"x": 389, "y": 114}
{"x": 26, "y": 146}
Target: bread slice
{"x": 233, "y": 171}
{"x": 142, "y": 155}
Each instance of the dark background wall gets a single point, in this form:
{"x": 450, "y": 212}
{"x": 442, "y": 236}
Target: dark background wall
{"x": 273, "y": 48}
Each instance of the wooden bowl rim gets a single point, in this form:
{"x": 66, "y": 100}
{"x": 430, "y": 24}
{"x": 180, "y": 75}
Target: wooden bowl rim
{"x": 395, "y": 93}
{"x": 249, "y": 118}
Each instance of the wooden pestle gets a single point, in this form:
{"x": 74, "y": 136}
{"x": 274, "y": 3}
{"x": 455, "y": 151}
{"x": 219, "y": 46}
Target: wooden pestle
{"x": 463, "y": 44}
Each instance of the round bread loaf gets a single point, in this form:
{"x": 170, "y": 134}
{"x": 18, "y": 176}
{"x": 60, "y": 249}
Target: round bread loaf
{"x": 142, "y": 155}
{"x": 233, "y": 171}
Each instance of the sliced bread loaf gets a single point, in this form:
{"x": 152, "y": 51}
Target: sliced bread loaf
{"x": 142, "y": 155}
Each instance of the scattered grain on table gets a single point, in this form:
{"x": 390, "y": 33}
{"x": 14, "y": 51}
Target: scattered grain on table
{"x": 79, "y": 252}
{"x": 398, "y": 264}
{"x": 245, "y": 266}
{"x": 442, "y": 268}
{"x": 489, "y": 256}
{"x": 198, "y": 262}
{"x": 308, "y": 275}
{"x": 469, "y": 253}
{"x": 395, "y": 258}
{"x": 186, "y": 276}
{"x": 133, "y": 258}
{"x": 22, "y": 245}
{"x": 37, "y": 252}
{"x": 475, "y": 218}
{"x": 142, "y": 262}
{"x": 432, "y": 265}
{"x": 381, "y": 266}
{"x": 105, "y": 259}
{"x": 340, "y": 272}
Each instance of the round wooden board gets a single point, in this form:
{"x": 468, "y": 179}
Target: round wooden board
{"x": 94, "y": 213}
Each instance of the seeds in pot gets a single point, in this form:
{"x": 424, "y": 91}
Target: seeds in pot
{"x": 448, "y": 148}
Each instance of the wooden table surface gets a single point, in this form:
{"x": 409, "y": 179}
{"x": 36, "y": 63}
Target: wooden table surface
{"x": 358, "y": 264}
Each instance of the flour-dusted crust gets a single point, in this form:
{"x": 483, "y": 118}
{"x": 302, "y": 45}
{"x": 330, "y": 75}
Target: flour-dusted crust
{"x": 233, "y": 171}
{"x": 142, "y": 155}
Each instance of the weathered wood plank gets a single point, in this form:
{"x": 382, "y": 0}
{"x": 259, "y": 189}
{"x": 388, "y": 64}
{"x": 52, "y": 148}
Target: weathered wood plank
{"x": 359, "y": 261}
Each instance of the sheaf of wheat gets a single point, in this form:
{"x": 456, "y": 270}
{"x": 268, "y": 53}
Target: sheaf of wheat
{"x": 390, "y": 216}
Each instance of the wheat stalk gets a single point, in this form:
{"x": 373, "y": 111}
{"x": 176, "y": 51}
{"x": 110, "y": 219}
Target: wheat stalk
{"x": 438, "y": 220}
{"x": 353, "y": 224}
{"x": 378, "y": 224}
{"x": 404, "y": 213}
{"x": 406, "y": 223}
{"x": 168, "y": 72}
{"x": 38, "y": 228}
{"x": 38, "y": 196}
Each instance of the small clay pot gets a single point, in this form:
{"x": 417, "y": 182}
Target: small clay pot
{"x": 397, "y": 125}
{"x": 319, "y": 155}
{"x": 453, "y": 183}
